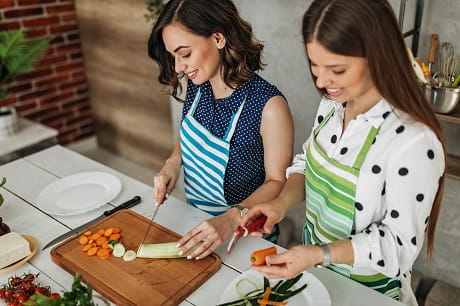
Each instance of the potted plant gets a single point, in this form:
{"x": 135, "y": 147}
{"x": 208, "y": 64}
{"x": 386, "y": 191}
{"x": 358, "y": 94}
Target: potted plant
{"x": 154, "y": 8}
{"x": 17, "y": 55}
{"x": 4, "y": 229}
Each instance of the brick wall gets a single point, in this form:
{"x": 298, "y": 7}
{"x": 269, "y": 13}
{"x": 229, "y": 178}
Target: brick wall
{"x": 56, "y": 92}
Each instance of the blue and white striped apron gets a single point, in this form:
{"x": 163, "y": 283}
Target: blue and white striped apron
{"x": 205, "y": 158}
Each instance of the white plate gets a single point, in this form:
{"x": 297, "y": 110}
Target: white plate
{"x": 315, "y": 293}
{"x": 78, "y": 193}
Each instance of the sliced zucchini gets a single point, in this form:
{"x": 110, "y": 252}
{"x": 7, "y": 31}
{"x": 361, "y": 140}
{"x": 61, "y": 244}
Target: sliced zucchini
{"x": 119, "y": 250}
{"x": 129, "y": 255}
{"x": 163, "y": 250}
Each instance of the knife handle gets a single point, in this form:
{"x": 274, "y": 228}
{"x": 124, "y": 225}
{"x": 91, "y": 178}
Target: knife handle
{"x": 128, "y": 204}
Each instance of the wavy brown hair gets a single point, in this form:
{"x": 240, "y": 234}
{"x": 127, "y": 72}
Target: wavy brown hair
{"x": 369, "y": 29}
{"x": 240, "y": 57}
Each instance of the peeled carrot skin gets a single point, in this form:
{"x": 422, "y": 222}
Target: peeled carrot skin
{"x": 258, "y": 257}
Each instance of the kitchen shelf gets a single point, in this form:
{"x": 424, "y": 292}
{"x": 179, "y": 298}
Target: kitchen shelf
{"x": 454, "y": 118}
{"x": 453, "y": 167}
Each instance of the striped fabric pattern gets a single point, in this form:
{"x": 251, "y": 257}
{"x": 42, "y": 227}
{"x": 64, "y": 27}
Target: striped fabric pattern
{"x": 205, "y": 158}
{"x": 330, "y": 206}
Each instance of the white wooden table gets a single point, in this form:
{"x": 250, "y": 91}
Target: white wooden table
{"x": 29, "y": 175}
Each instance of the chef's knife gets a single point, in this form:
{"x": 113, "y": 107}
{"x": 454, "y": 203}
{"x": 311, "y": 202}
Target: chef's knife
{"x": 151, "y": 221}
{"x": 128, "y": 204}
{"x": 150, "y": 225}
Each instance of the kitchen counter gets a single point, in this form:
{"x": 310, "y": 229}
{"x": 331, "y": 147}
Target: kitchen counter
{"x": 29, "y": 175}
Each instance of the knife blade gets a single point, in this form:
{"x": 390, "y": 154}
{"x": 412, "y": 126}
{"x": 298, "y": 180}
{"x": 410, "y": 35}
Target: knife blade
{"x": 150, "y": 225}
{"x": 128, "y": 204}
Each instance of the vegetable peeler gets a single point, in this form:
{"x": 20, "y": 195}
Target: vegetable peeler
{"x": 245, "y": 231}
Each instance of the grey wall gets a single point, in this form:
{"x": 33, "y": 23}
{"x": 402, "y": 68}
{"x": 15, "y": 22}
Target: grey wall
{"x": 277, "y": 23}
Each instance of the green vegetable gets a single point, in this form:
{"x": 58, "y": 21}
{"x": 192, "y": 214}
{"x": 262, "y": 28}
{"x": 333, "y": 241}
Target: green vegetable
{"x": 80, "y": 295}
{"x": 162, "y": 250}
{"x": 279, "y": 293}
{"x": 456, "y": 81}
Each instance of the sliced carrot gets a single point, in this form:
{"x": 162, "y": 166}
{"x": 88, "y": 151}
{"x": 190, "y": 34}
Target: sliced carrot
{"x": 103, "y": 253}
{"x": 115, "y": 237}
{"x": 87, "y": 233}
{"x": 83, "y": 240}
{"x": 88, "y": 246}
{"x": 116, "y": 230}
{"x": 101, "y": 232}
{"x": 265, "y": 297}
{"x": 95, "y": 236}
{"x": 258, "y": 257}
{"x": 105, "y": 245}
{"x": 271, "y": 303}
{"x": 101, "y": 240}
{"x": 108, "y": 232}
{"x": 92, "y": 251}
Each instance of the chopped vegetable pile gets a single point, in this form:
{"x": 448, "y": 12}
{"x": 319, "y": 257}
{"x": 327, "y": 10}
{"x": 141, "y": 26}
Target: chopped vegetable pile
{"x": 98, "y": 243}
{"x": 274, "y": 296}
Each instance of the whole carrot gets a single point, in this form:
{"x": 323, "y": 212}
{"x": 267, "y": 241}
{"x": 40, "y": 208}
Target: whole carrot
{"x": 258, "y": 257}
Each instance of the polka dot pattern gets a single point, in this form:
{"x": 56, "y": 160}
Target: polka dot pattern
{"x": 334, "y": 139}
{"x": 246, "y": 147}
{"x": 396, "y": 184}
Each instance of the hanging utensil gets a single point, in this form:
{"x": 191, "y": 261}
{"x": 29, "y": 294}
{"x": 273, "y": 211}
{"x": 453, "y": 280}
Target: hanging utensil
{"x": 433, "y": 51}
{"x": 447, "y": 57}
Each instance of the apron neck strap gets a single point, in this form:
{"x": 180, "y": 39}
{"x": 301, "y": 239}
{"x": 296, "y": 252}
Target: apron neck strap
{"x": 364, "y": 148}
{"x": 322, "y": 123}
{"x": 234, "y": 120}
{"x": 195, "y": 102}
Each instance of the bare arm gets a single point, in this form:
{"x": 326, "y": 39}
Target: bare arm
{"x": 165, "y": 181}
{"x": 277, "y": 133}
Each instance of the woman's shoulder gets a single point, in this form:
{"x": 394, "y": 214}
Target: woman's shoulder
{"x": 408, "y": 132}
{"x": 262, "y": 87}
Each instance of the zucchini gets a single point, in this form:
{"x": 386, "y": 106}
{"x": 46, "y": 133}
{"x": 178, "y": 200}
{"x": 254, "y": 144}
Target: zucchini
{"x": 118, "y": 250}
{"x": 129, "y": 255}
{"x": 163, "y": 250}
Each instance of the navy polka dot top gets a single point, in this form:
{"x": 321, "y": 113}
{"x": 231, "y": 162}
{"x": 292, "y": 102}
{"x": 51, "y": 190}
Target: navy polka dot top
{"x": 245, "y": 171}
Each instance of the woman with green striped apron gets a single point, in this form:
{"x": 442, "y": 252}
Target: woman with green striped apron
{"x": 371, "y": 174}
{"x": 330, "y": 206}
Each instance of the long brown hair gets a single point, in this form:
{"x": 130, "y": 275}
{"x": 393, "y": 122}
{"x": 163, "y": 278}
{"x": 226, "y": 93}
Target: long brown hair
{"x": 369, "y": 29}
{"x": 240, "y": 57}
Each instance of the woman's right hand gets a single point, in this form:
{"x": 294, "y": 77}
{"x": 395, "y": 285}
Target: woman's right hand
{"x": 165, "y": 181}
{"x": 271, "y": 210}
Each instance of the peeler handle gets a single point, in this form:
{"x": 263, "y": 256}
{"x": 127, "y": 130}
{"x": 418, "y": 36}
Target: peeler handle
{"x": 251, "y": 227}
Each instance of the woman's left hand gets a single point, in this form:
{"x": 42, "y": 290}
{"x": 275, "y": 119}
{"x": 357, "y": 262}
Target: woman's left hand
{"x": 212, "y": 232}
{"x": 290, "y": 263}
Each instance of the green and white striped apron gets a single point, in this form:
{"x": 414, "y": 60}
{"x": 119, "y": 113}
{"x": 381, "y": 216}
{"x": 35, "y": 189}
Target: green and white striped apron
{"x": 330, "y": 207}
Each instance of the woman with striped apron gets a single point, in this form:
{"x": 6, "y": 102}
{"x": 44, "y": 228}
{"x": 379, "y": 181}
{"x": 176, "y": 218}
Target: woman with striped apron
{"x": 234, "y": 146}
{"x": 370, "y": 201}
{"x": 330, "y": 205}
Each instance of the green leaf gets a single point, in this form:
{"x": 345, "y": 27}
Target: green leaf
{"x": 1, "y": 199}
{"x": 18, "y": 55}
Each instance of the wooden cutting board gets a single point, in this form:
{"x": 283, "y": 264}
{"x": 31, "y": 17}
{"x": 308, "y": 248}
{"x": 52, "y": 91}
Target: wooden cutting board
{"x": 141, "y": 281}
